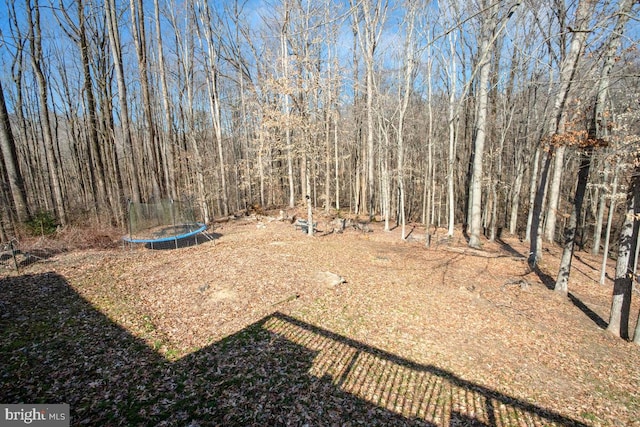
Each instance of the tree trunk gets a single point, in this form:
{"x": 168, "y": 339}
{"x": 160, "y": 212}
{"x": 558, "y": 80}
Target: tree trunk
{"x": 11, "y": 165}
{"x": 198, "y": 158}
{"x": 50, "y": 152}
{"x": 168, "y": 144}
{"x": 404, "y": 102}
{"x": 607, "y": 237}
{"x": 114, "y": 39}
{"x": 554, "y": 195}
{"x": 337, "y": 160}
{"x": 368, "y": 188}
{"x": 558, "y": 118}
{"x": 535, "y": 252}
{"x": 622, "y": 284}
{"x": 151, "y": 163}
{"x": 95, "y": 156}
{"x": 532, "y": 193}
{"x": 308, "y": 201}
{"x": 484, "y": 65}
{"x": 214, "y": 102}
{"x": 570, "y": 230}
{"x": 602, "y": 203}
{"x": 285, "y": 105}
{"x": 515, "y": 195}
{"x": 636, "y": 333}
{"x": 452, "y": 122}
{"x": 373, "y": 13}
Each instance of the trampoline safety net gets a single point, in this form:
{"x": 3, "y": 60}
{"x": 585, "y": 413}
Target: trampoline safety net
{"x": 162, "y": 221}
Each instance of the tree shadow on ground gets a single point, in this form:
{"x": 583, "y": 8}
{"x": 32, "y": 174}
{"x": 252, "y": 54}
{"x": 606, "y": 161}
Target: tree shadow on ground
{"x": 586, "y": 310}
{"x": 509, "y": 249}
{"x": 584, "y": 261}
{"x": 19, "y": 259}
{"x": 550, "y": 283}
{"x": 57, "y": 347}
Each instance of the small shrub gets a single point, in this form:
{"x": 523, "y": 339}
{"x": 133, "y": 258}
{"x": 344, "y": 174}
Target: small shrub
{"x": 43, "y": 223}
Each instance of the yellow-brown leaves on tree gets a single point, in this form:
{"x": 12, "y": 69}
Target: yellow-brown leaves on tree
{"x": 575, "y": 138}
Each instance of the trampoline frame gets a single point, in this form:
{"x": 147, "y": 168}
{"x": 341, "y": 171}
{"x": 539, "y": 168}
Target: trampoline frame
{"x": 150, "y": 241}
{"x": 201, "y": 228}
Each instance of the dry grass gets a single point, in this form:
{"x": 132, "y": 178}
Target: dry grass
{"x": 245, "y": 331}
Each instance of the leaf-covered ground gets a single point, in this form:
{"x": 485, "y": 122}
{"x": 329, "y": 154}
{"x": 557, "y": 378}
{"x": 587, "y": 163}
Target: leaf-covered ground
{"x": 249, "y": 329}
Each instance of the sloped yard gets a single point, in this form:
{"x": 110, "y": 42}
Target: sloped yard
{"x": 252, "y": 329}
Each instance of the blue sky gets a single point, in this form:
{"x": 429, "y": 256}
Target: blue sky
{"x": 257, "y": 13}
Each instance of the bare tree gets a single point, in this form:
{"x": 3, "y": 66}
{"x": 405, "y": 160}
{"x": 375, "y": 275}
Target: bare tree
{"x": 111, "y": 17}
{"x": 484, "y": 66}
{"x": 11, "y": 165}
{"x": 491, "y": 28}
{"x": 35, "y": 41}
{"x": 568, "y": 69}
{"x": 370, "y": 17}
{"x": 595, "y": 134}
{"x": 622, "y": 284}
{"x": 612, "y": 207}
{"x": 78, "y": 33}
{"x": 407, "y": 80}
{"x": 168, "y": 145}
{"x": 212, "y": 65}
{"x": 150, "y": 156}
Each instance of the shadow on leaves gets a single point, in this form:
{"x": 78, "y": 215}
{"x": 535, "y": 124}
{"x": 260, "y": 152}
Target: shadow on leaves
{"x": 57, "y": 347}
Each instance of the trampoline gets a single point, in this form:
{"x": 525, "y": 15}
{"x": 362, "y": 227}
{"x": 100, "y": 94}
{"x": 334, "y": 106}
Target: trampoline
{"x": 158, "y": 224}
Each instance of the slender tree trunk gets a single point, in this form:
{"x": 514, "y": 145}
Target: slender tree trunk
{"x": 369, "y": 187}
{"x": 622, "y": 284}
{"x": 385, "y": 179}
{"x": 532, "y": 193}
{"x": 327, "y": 126}
{"x": 404, "y": 103}
{"x": 150, "y": 152}
{"x": 535, "y": 252}
{"x": 337, "y": 159}
{"x": 11, "y": 165}
{"x": 50, "y": 152}
{"x": 570, "y": 230}
{"x": 168, "y": 145}
{"x": 599, "y": 126}
{"x": 30, "y": 182}
{"x": 515, "y": 196}
{"x": 308, "y": 201}
{"x": 567, "y": 71}
{"x": 211, "y": 61}
{"x": 94, "y": 152}
{"x": 114, "y": 39}
{"x": 285, "y": 105}
{"x": 484, "y": 65}
{"x": 602, "y": 202}
{"x": 261, "y": 166}
{"x": 612, "y": 208}
{"x": 111, "y": 158}
{"x": 327, "y": 160}
{"x": 595, "y": 133}
{"x": 453, "y": 117}
{"x": 554, "y": 194}
{"x": 429, "y": 179}
{"x": 373, "y": 13}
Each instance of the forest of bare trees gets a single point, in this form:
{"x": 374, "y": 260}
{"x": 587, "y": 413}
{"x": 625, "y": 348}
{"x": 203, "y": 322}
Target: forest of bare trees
{"x": 494, "y": 117}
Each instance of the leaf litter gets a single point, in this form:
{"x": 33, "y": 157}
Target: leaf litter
{"x": 268, "y": 326}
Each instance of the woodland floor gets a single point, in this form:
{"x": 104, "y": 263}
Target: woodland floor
{"x": 248, "y": 330}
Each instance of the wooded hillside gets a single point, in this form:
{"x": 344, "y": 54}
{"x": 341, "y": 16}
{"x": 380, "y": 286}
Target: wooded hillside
{"x": 435, "y": 112}
{"x": 494, "y": 116}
